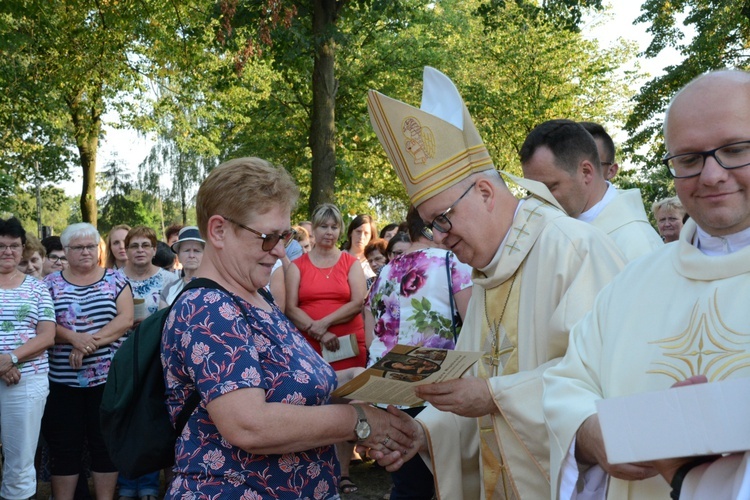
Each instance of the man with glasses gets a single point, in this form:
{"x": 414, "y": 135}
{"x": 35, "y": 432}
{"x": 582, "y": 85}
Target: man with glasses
{"x": 680, "y": 313}
{"x": 563, "y": 156}
{"x": 55, "y": 260}
{"x": 536, "y": 271}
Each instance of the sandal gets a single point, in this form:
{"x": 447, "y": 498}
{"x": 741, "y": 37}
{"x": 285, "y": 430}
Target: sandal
{"x": 346, "y": 485}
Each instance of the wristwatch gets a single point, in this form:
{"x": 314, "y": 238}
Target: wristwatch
{"x": 13, "y": 358}
{"x": 362, "y": 429}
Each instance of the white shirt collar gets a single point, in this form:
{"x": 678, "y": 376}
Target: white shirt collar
{"x": 721, "y": 245}
{"x": 592, "y": 213}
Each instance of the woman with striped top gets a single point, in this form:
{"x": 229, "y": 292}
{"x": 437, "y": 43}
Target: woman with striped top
{"x": 93, "y": 309}
{"x": 27, "y": 329}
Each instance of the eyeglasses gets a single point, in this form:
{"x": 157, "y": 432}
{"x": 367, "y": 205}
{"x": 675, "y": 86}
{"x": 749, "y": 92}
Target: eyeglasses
{"x": 57, "y": 258}
{"x": 607, "y": 163}
{"x": 442, "y": 223}
{"x": 14, "y": 248}
{"x": 687, "y": 165}
{"x": 269, "y": 240}
{"x": 136, "y": 246}
{"x": 81, "y": 248}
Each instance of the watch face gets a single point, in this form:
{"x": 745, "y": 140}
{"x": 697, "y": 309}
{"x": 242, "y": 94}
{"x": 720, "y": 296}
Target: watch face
{"x": 13, "y": 358}
{"x": 362, "y": 430}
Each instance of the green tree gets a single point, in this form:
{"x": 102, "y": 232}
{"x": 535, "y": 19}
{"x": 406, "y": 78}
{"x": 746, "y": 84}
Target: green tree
{"x": 721, "y": 38}
{"x": 511, "y": 78}
{"x": 69, "y": 59}
{"x": 57, "y": 208}
{"x": 519, "y": 69}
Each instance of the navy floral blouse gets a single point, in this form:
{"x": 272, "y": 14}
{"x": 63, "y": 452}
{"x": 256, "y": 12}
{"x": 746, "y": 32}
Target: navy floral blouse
{"x": 208, "y": 344}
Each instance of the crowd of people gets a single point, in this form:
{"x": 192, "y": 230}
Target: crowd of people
{"x": 538, "y": 284}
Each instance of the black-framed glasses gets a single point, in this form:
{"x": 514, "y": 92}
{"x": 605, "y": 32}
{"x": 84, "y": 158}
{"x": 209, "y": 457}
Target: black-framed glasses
{"x": 269, "y": 240}
{"x": 57, "y": 258}
{"x": 442, "y": 223}
{"x": 729, "y": 156}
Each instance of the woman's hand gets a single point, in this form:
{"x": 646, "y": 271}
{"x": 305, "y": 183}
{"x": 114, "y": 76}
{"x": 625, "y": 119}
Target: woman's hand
{"x": 6, "y": 364}
{"x": 331, "y": 341}
{"x": 12, "y": 376}
{"x": 75, "y": 359}
{"x": 395, "y": 437}
{"x": 83, "y": 342}
{"x": 318, "y": 329}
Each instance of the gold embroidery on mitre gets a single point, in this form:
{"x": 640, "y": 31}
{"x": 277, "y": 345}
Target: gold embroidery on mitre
{"x": 420, "y": 141}
{"x": 708, "y": 346}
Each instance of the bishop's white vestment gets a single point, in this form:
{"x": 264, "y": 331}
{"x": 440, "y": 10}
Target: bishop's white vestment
{"x": 542, "y": 280}
{"x": 669, "y": 315}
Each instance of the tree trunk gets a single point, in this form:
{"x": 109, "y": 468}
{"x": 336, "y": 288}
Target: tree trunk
{"x": 87, "y": 127}
{"x": 324, "y": 86}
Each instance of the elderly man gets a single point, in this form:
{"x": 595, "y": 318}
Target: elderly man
{"x": 563, "y": 156}
{"x": 680, "y": 313}
{"x": 536, "y": 272}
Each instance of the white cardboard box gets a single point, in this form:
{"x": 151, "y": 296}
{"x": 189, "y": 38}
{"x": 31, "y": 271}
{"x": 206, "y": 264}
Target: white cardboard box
{"x": 702, "y": 419}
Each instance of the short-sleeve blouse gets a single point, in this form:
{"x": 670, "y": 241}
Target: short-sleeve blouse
{"x": 84, "y": 309}
{"x": 208, "y": 344}
{"x": 150, "y": 289}
{"x": 410, "y": 301}
{"x": 21, "y": 310}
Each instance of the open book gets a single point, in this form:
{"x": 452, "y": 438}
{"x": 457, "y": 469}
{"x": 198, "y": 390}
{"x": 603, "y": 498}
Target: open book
{"x": 392, "y": 379}
{"x": 348, "y": 348}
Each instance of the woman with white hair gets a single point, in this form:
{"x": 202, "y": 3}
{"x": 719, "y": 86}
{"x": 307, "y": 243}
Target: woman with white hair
{"x": 669, "y": 214}
{"x": 93, "y": 309}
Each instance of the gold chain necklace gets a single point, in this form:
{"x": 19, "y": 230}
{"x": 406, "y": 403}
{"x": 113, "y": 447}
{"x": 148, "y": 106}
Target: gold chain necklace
{"x": 320, "y": 270}
{"x": 494, "y": 358}
{"x": 330, "y": 269}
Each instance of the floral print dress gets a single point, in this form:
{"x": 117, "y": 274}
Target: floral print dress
{"x": 208, "y": 344}
{"x": 410, "y": 301}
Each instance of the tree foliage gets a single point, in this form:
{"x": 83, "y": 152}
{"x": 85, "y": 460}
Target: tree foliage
{"x": 219, "y": 80}
{"x": 721, "y": 38}
{"x": 57, "y": 208}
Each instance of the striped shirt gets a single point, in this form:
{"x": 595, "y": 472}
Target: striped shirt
{"x": 21, "y": 310}
{"x": 84, "y": 309}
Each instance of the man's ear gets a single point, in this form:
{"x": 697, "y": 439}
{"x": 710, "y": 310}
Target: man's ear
{"x": 487, "y": 191}
{"x": 611, "y": 171}
{"x": 587, "y": 171}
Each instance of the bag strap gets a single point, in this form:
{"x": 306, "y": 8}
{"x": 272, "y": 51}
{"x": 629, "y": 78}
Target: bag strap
{"x": 192, "y": 402}
{"x": 450, "y": 294}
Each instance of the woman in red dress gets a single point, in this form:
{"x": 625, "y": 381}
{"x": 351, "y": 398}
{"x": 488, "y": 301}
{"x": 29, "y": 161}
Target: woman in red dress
{"x": 325, "y": 290}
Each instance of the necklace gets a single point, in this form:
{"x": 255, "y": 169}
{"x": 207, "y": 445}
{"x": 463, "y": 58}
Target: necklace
{"x": 494, "y": 356}
{"x": 330, "y": 270}
{"x": 10, "y": 280}
{"x": 324, "y": 260}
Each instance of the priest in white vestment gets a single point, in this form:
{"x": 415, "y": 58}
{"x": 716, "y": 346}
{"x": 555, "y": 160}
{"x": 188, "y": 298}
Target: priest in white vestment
{"x": 679, "y": 312}
{"x": 563, "y": 156}
{"x": 536, "y": 272}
